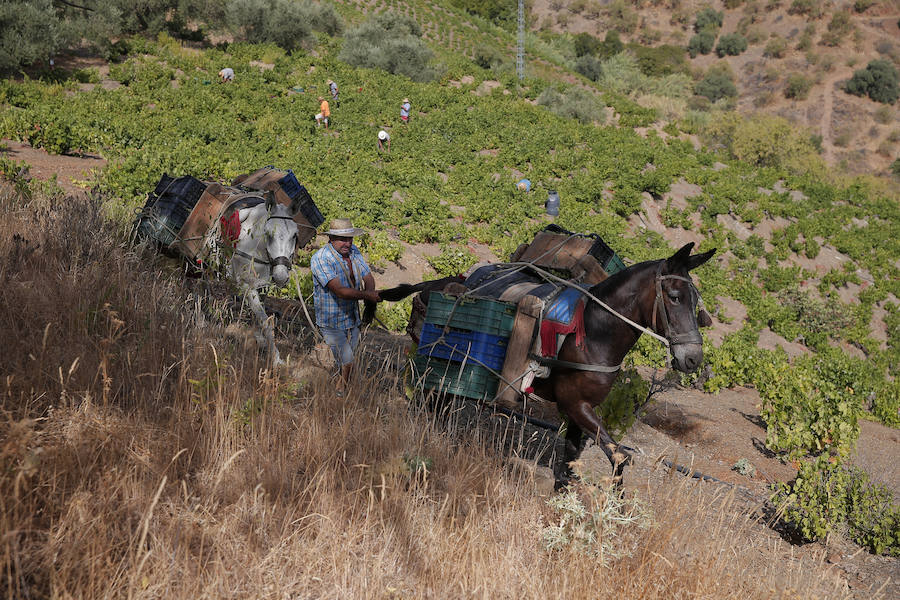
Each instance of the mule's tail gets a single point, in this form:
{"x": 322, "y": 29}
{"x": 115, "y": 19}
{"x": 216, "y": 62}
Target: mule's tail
{"x": 403, "y": 290}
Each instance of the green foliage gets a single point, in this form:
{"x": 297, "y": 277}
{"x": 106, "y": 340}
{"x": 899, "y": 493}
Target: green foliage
{"x": 575, "y": 103}
{"x": 810, "y": 8}
{"x": 392, "y": 42}
{"x": 380, "y": 248}
{"x": 826, "y": 494}
{"x": 731, "y": 44}
{"x": 590, "y": 66}
{"x": 798, "y": 86}
{"x": 878, "y": 81}
{"x": 708, "y": 19}
{"x": 806, "y": 414}
{"x": 701, "y": 43}
{"x": 286, "y": 23}
{"x": 586, "y": 44}
{"x": 839, "y": 26}
{"x": 659, "y": 61}
{"x": 629, "y": 391}
{"x": 30, "y": 31}
{"x": 488, "y": 57}
{"x": 612, "y": 45}
{"x": 776, "y": 47}
{"x": 737, "y": 361}
{"x": 715, "y": 86}
{"x": 452, "y": 260}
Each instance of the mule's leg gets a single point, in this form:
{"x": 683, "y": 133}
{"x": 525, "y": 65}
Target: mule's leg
{"x": 574, "y": 445}
{"x": 582, "y": 413}
{"x": 264, "y": 325}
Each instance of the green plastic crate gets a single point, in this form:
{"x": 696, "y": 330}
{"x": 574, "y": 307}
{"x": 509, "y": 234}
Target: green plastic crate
{"x": 471, "y": 380}
{"x": 614, "y": 265}
{"x": 471, "y": 314}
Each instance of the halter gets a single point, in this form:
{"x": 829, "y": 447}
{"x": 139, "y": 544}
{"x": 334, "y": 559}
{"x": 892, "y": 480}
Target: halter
{"x": 272, "y": 262}
{"x": 659, "y": 307}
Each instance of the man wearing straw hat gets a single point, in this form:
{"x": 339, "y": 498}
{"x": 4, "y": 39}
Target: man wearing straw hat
{"x": 341, "y": 277}
{"x": 405, "y": 107}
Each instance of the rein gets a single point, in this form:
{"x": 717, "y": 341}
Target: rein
{"x": 272, "y": 262}
{"x": 691, "y": 337}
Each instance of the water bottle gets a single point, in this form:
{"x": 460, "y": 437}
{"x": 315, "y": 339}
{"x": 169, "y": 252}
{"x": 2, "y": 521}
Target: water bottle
{"x": 552, "y": 204}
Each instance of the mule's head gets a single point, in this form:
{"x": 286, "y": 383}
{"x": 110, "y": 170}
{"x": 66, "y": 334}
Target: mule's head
{"x": 676, "y": 308}
{"x": 281, "y": 238}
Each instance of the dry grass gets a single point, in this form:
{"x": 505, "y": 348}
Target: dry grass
{"x": 145, "y": 457}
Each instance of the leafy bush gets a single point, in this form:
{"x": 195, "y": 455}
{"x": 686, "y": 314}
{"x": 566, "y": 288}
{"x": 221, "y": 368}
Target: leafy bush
{"x": 715, "y": 86}
{"x": 590, "y": 66}
{"x": 586, "y": 44}
{"x": 810, "y": 8}
{"x": 839, "y": 26}
{"x": 660, "y": 60}
{"x": 776, "y": 47}
{"x": 708, "y": 19}
{"x": 611, "y": 45}
{"x": 826, "y": 494}
{"x": 452, "y": 260}
{"x": 389, "y": 41}
{"x": 797, "y": 87}
{"x": 731, "y": 44}
{"x": 701, "y": 43}
{"x": 286, "y": 23}
{"x": 487, "y": 57}
{"x": 575, "y": 103}
{"x": 878, "y": 81}
{"x": 806, "y": 414}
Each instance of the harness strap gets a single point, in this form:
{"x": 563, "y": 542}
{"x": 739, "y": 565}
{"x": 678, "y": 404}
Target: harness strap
{"x": 572, "y": 365}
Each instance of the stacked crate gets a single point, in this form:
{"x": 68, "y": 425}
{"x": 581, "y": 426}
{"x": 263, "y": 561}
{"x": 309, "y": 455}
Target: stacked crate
{"x": 463, "y": 344}
{"x": 168, "y": 207}
{"x": 284, "y": 184}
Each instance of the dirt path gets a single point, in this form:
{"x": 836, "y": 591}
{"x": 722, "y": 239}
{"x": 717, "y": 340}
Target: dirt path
{"x": 68, "y": 170}
{"x": 827, "y": 111}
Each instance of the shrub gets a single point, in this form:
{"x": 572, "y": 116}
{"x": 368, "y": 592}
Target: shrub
{"x": 585, "y": 43}
{"x": 825, "y": 494}
{"x": 839, "y": 26}
{"x": 31, "y": 32}
{"x": 661, "y": 60}
{"x": 389, "y": 41}
{"x": 575, "y": 103}
{"x": 589, "y": 66}
{"x": 810, "y": 8}
{"x": 611, "y": 45}
{"x": 488, "y": 57}
{"x": 715, "y": 86}
{"x": 708, "y": 19}
{"x": 895, "y": 168}
{"x": 286, "y": 23}
{"x": 776, "y": 47}
{"x": 797, "y": 86}
{"x": 878, "y": 81}
{"x": 701, "y": 43}
{"x": 731, "y": 44}
{"x": 452, "y": 260}
{"x": 862, "y": 6}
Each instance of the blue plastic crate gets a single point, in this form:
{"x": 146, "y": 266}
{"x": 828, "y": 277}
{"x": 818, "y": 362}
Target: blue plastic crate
{"x": 482, "y": 348}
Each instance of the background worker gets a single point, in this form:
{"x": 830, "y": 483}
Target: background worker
{"x": 384, "y": 141}
{"x": 324, "y": 112}
{"x": 405, "y": 107}
{"x": 341, "y": 277}
{"x": 226, "y": 75}
{"x": 332, "y": 87}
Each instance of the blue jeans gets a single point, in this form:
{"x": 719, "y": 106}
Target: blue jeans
{"x": 343, "y": 343}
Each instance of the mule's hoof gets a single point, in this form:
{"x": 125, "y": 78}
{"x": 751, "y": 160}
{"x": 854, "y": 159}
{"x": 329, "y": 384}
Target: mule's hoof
{"x": 623, "y": 458}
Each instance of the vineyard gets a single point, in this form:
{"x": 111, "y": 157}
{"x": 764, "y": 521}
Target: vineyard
{"x": 450, "y": 177}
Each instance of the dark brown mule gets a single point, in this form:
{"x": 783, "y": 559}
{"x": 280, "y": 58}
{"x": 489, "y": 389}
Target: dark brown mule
{"x": 656, "y": 295}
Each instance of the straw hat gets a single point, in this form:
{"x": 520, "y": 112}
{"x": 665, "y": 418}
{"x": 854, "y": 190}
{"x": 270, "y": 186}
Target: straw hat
{"x": 321, "y": 98}
{"x": 406, "y": 99}
{"x": 382, "y": 135}
{"x": 343, "y": 228}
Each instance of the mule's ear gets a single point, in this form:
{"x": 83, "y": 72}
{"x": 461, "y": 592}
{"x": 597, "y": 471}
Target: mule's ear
{"x": 679, "y": 258}
{"x": 295, "y": 205}
{"x": 270, "y": 200}
{"x": 703, "y": 319}
{"x": 698, "y": 259}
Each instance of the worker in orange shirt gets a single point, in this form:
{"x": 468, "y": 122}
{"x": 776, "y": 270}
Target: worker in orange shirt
{"x": 324, "y": 112}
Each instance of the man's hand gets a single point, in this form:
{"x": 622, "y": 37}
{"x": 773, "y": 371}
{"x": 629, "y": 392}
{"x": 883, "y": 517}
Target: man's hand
{"x": 371, "y": 296}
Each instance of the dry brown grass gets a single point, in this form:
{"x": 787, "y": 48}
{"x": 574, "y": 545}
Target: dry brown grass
{"x": 143, "y": 457}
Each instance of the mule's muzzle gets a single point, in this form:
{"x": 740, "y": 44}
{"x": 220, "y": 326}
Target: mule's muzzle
{"x": 281, "y": 270}
{"x": 687, "y": 358}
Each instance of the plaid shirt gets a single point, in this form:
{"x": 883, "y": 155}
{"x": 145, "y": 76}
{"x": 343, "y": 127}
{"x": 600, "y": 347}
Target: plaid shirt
{"x": 327, "y": 264}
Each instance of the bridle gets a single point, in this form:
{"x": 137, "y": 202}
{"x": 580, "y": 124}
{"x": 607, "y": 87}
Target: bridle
{"x": 284, "y": 261}
{"x": 659, "y": 308}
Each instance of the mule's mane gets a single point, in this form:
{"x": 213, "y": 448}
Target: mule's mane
{"x": 620, "y": 278}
